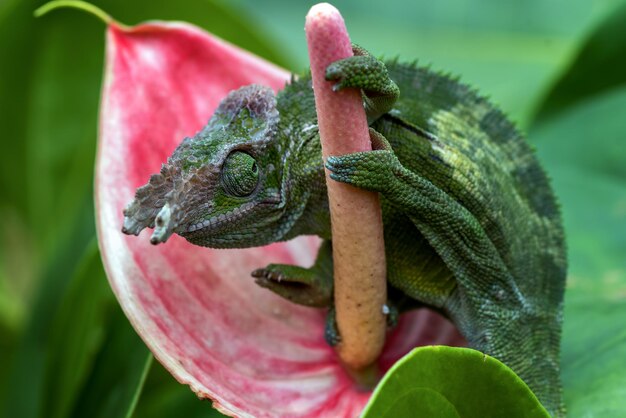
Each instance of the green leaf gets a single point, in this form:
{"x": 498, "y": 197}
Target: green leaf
{"x": 25, "y": 377}
{"x": 92, "y": 351}
{"x": 599, "y": 65}
{"x": 119, "y": 373}
{"x": 49, "y": 112}
{"x": 588, "y": 137}
{"x": 583, "y": 149}
{"x": 431, "y": 404}
{"x": 78, "y": 331}
{"x": 450, "y": 382}
{"x": 95, "y": 363}
{"x": 164, "y": 397}
{"x": 16, "y": 45}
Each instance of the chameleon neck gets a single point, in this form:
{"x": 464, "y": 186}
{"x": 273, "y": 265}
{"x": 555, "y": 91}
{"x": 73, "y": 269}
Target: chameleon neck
{"x": 306, "y": 187}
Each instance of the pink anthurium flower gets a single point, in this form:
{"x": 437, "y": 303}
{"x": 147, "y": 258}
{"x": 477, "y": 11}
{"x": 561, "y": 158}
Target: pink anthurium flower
{"x": 197, "y": 309}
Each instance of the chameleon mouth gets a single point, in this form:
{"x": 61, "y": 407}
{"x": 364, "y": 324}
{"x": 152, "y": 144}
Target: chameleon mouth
{"x": 218, "y": 221}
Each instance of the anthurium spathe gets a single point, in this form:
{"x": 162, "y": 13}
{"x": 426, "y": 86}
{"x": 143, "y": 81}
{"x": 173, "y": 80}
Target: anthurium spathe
{"x": 197, "y": 309}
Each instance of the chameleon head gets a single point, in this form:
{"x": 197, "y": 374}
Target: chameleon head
{"x": 220, "y": 178}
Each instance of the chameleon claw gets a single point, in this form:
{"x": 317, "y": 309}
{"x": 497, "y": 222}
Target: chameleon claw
{"x": 294, "y": 283}
{"x": 258, "y": 273}
{"x": 265, "y": 275}
{"x": 262, "y": 277}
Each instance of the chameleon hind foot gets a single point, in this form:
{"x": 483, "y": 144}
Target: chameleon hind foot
{"x": 372, "y": 170}
{"x": 331, "y": 331}
{"x": 305, "y": 286}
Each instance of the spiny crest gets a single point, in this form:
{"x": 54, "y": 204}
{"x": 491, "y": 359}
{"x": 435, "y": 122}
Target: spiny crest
{"x": 250, "y": 110}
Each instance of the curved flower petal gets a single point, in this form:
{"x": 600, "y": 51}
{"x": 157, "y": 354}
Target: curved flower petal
{"x": 197, "y": 309}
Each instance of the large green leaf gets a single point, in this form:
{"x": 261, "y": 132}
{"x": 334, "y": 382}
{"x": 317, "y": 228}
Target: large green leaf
{"x": 25, "y": 377}
{"x": 16, "y": 46}
{"x": 164, "y": 397}
{"x": 50, "y": 136}
{"x": 583, "y": 147}
{"x": 78, "y": 331}
{"x": 439, "y": 381}
{"x": 92, "y": 353}
{"x": 120, "y": 369}
{"x": 599, "y": 65}
{"x": 431, "y": 404}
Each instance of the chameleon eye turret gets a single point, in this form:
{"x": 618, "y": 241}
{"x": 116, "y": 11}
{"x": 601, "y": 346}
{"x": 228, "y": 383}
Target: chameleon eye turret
{"x": 472, "y": 228}
{"x": 240, "y": 174}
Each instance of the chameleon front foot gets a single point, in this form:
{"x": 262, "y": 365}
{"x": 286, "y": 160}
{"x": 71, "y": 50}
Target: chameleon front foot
{"x": 365, "y": 72}
{"x": 297, "y": 284}
{"x": 370, "y": 170}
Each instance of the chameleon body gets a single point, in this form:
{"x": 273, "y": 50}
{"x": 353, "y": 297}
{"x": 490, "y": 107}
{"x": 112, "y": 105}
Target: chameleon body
{"x": 471, "y": 226}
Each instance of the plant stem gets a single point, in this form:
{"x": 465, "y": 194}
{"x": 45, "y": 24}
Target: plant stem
{"x": 76, "y": 4}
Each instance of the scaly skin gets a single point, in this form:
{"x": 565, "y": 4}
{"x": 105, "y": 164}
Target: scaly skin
{"x": 471, "y": 225}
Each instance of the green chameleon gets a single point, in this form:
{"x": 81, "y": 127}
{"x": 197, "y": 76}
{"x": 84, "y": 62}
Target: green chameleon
{"x": 471, "y": 226}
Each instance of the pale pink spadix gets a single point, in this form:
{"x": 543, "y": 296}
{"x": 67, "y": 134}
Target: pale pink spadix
{"x": 198, "y": 309}
{"x": 357, "y": 226}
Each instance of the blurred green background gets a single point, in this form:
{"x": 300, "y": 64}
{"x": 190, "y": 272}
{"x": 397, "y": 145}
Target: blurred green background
{"x": 557, "y": 67}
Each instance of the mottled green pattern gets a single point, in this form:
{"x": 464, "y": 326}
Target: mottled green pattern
{"x": 475, "y": 191}
{"x": 471, "y": 226}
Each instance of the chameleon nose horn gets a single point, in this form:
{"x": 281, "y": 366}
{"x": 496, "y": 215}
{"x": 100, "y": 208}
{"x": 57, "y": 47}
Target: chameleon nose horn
{"x": 131, "y": 226}
{"x": 163, "y": 225}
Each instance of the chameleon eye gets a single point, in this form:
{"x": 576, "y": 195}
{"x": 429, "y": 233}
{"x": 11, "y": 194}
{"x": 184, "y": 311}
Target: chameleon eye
{"x": 240, "y": 174}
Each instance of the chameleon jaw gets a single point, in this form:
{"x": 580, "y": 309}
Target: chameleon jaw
{"x": 215, "y": 224}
